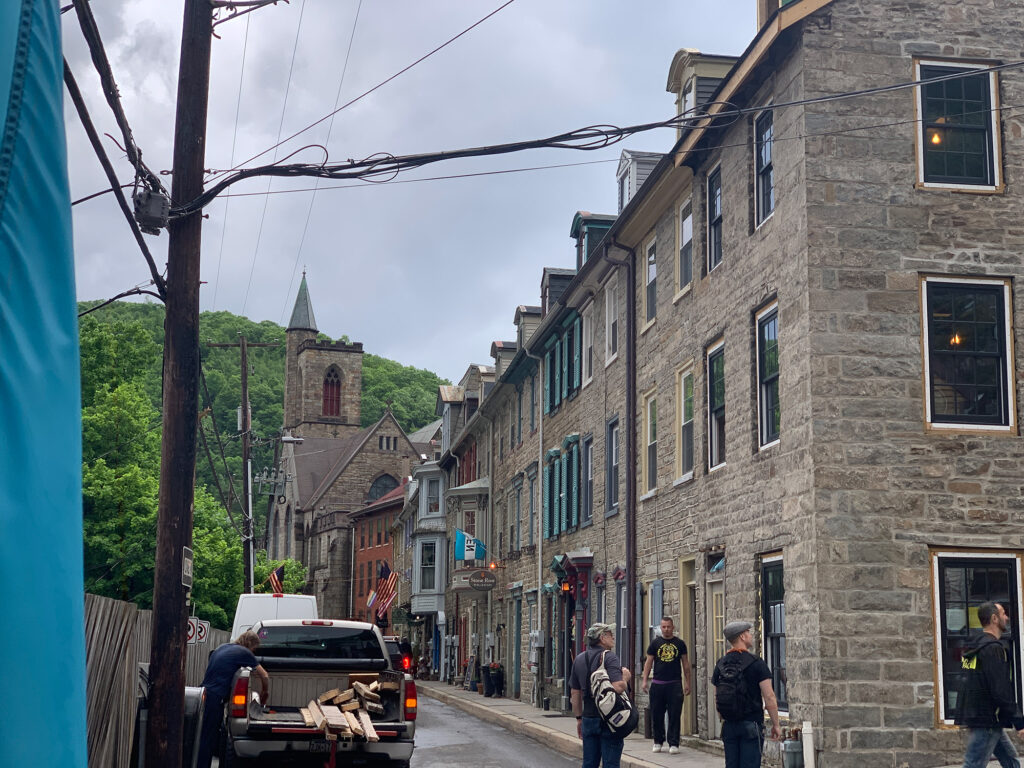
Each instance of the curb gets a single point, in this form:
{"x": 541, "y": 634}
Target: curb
{"x": 560, "y": 742}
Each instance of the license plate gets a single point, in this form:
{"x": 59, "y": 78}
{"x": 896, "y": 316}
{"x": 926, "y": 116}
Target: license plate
{"x": 320, "y": 745}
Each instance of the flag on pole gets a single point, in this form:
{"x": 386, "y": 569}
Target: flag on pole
{"x": 276, "y": 579}
{"x": 387, "y": 590}
{"x": 468, "y": 548}
{"x": 382, "y": 576}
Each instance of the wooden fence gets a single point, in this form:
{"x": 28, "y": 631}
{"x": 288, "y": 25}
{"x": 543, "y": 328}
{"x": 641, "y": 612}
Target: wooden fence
{"x": 117, "y": 638}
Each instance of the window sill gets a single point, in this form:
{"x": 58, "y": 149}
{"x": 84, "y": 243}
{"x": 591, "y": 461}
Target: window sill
{"x": 611, "y": 512}
{"x": 772, "y": 444}
{"x": 764, "y": 221}
{"x": 688, "y": 477}
{"x": 648, "y": 325}
{"x": 587, "y": 523}
{"x": 611, "y": 359}
{"x": 716, "y": 467}
{"x": 587, "y": 382}
{"x": 947, "y": 427}
{"x": 682, "y": 292}
{"x": 971, "y": 189}
{"x": 649, "y": 495}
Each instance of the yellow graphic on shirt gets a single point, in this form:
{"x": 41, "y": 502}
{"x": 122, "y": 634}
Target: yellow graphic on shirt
{"x": 668, "y": 652}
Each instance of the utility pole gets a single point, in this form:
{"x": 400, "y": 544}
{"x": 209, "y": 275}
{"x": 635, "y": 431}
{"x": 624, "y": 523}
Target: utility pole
{"x": 248, "y": 555}
{"x": 180, "y": 399}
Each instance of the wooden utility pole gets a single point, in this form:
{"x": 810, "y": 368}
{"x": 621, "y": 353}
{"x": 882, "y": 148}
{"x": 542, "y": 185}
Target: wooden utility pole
{"x": 248, "y": 555}
{"x": 180, "y": 399}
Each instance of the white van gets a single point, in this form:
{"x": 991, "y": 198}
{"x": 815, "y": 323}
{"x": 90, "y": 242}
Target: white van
{"x": 252, "y": 608}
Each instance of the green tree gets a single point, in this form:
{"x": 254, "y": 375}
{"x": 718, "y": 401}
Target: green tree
{"x": 294, "y": 573}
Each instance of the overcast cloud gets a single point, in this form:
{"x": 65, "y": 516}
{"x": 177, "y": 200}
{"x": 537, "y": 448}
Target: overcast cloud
{"x": 426, "y": 273}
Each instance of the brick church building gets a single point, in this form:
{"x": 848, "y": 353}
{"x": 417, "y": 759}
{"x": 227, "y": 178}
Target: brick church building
{"x": 339, "y": 467}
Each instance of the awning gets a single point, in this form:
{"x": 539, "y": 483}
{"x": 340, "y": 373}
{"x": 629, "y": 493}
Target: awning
{"x": 480, "y": 485}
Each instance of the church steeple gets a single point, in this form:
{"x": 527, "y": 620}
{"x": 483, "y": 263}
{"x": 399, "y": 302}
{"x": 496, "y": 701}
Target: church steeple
{"x": 302, "y": 314}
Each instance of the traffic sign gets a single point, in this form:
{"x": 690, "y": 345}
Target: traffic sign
{"x": 186, "y": 567}
{"x": 202, "y": 631}
{"x": 193, "y": 629}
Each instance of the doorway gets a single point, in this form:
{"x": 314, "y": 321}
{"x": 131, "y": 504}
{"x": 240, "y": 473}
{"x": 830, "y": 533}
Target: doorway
{"x": 716, "y": 646}
{"x": 688, "y": 633}
{"x": 517, "y": 648}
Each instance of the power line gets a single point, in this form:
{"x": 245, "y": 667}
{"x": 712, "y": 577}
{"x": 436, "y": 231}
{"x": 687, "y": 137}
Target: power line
{"x": 379, "y": 85}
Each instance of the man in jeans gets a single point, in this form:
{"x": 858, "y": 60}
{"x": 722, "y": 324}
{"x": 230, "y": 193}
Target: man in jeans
{"x": 989, "y": 704}
{"x": 743, "y": 734}
{"x": 600, "y": 745}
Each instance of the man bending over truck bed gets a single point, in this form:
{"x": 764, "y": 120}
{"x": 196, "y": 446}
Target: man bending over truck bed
{"x": 224, "y": 662}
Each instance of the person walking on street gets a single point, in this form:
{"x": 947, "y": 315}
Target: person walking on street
{"x": 989, "y": 704}
{"x": 743, "y": 690}
{"x": 220, "y": 671}
{"x": 601, "y": 746}
{"x": 666, "y": 655}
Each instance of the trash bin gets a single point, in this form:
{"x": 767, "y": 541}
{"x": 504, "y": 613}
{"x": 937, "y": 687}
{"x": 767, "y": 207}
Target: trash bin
{"x": 488, "y": 681}
{"x": 792, "y": 754}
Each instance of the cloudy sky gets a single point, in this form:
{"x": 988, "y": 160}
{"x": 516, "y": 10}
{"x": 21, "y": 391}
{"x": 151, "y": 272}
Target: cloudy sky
{"x": 425, "y": 272}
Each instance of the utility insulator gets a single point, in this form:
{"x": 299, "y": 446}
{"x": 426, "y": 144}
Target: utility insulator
{"x": 152, "y": 210}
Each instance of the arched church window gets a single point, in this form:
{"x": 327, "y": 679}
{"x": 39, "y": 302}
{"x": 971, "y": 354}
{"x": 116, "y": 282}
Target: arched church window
{"x": 332, "y": 392}
{"x": 380, "y": 486}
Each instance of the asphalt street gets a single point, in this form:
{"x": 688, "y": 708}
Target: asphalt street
{"x": 449, "y": 738}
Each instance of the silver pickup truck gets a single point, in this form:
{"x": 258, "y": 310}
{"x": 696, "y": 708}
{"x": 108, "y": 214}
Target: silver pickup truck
{"x": 306, "y": 658}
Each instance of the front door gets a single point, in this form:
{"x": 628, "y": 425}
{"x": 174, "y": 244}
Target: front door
{"x": 517, "y": 648}
{"x": 716, "y": 644}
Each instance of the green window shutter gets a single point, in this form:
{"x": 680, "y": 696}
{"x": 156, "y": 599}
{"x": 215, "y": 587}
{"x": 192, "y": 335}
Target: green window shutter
{"x": 577, "y": 369}
{"x": 556, "y": 395}
{"x": 547, "y": 501}
{"x": 566, "y": 369}
{"x": 564, "y": 508}
{"x": 575, "y": 484}
{"x": 547, "y": 382}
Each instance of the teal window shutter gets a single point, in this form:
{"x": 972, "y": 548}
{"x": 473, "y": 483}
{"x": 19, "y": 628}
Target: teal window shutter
{"x": 547, "y": 382}
{"x": 566, "y": 370}
{"x": 577, "y": 337}
{"x": 564, "y": 510}
{"x": 575, "y": 484}
{"x": 547, "y": 501}
{"x": 555, "y": 397}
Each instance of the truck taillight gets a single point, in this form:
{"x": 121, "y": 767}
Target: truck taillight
{"x": 410, "y": 700}
{"x": 240, "y": 697}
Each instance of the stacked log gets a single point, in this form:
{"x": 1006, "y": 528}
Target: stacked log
{"x": 345, "y": 714}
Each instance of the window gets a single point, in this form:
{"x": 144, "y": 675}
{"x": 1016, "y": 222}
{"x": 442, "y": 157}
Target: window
{"x": 533, "y": 402}
{"x": 685, "y": 245}
{"x": 427, "y": 566}
{"x": 686, "y": 424}
{"x": 764, "y": 187}
{"x": 652, "y": 281}
{"x": 598, "y": 607}
{"x": 587, "y": 507}
{"x": 957, "y": 146}
{"x": 623, "y": 190}
{"x": 588, "y": 344}
{"x": 433, "y": 496}
{"x": 716, "y": 406}
{"x": 611, "y": 321}
{"x": 383, "y": 484}
{"x": 651, "y": 441}
{"x": 689, "y": 100}
{"x": 769, "y": 412}
{"x": 380, "y": 531}
{"x": 612, "y": 473}
{"x": 714, "y": 217}
{"x": 362, "y": 567}
{"x": 519, "y": 516}
{"x": 519, "y": 416}
{"x": 962, "y": 582}
{"x": 533, "y": 511}
{"x": 332, "y": 392}
{"x": 967, "y": 337}
{"x": 773, "y": 617}
{"x": 362, "y": 535}
{"x": 621, "y": 615}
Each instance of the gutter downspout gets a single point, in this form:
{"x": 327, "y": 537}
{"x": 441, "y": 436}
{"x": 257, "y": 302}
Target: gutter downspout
{"x": 630, "y": 264}
{"x": 538, "y": 674}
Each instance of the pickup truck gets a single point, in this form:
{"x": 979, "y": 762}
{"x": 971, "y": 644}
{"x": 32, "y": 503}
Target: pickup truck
{"x": 307, "y": 658}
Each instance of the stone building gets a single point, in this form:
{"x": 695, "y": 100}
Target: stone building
{"x": 338, "y": 468}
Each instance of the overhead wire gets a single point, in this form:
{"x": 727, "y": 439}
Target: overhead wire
{"x": 270, "y": 181}
{"x": 327, "y": 144}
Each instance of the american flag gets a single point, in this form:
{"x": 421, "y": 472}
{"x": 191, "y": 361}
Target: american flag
{"x": 386, "y": 588}
{"x": 275, "y": 579}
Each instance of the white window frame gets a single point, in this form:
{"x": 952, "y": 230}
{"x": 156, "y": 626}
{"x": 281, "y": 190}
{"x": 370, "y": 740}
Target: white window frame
{"x": 759, "y": 222}
{"x": 685, "y": 372}
{"x": 707, "y": 218}
{"x": 681, "y": 287}
{"x": 994, "y": 117}
{"x": 611, "y": 317}
{"x": 588, "y": 345}
{"x": 711, "y": 350}
{"x": 1008, "y": 351}
{"x": 762, "y": 445}
{"x": 650, "y": 399}
{"x": 650, "y": 303}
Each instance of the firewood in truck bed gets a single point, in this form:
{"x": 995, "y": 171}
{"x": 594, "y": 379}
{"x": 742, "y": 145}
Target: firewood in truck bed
{"x": 364, "y": 692}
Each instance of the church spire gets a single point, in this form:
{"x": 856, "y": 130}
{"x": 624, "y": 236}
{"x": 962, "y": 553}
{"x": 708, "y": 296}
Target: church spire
{"x": 302, "y": 315}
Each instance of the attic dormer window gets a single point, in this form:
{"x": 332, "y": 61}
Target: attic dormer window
{"x": 623, "y": 190}
{"x": 688, "y": 100}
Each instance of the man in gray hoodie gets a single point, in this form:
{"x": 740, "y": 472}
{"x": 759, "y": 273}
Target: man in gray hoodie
{"x": 989, "y": 704}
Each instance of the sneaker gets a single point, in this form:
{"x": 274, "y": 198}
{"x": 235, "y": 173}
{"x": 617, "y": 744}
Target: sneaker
{"x": 673, "y": 750}
{"x": 656, "y": 748}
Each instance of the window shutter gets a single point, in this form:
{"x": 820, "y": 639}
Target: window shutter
{"x": 556, "y": 395}
{"x": 575, "y": 484}
{"x": 566, "y": 369}
{"x": 564, "y": 508}
{"x": 577, "y": 368}
{"x": 546, "y": 493}
{"x": 657, "y": 602}
{"x": 547, "y": 382}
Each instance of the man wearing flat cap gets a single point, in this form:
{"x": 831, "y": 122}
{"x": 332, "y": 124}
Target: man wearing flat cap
{"x": 743, "y": 690}
{"x": 601, "y": 746}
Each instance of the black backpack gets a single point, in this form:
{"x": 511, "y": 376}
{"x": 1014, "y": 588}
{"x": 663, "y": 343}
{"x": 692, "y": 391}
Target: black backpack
{"x": 732, "y": 693}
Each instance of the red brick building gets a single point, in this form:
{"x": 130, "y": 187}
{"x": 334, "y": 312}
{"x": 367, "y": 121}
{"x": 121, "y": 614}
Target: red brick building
{"x": 371, "y": 528}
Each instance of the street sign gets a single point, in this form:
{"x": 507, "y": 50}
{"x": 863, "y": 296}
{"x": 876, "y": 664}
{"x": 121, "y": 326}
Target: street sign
{"x": 186, "y": 567}
{"x": 193, "y": 629}
{"x": 482, "y": 581}
{"x": 202, "y": 630}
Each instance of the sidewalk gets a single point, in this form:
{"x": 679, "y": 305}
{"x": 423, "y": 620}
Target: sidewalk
{"x": 558, "y": 731}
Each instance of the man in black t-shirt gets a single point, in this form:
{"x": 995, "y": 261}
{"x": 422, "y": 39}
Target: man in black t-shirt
{"x": 666, "y": 655}
{"x": 743, "y": 735}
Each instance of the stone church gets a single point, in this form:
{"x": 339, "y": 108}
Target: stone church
{"x": 338, "y": 468}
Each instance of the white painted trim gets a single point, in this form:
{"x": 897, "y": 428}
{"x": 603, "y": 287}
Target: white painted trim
{"x": 763, "y": 312}
{"x": 757, "y": 186}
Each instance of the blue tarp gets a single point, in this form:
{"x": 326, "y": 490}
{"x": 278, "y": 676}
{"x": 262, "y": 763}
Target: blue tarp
{"x": 42, "y": 637}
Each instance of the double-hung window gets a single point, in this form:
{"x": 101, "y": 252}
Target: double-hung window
{"x": 611, "y": 452}
{"x": 769, "y": 412}
{"x": 713, "y": 208}
{"x": 685, "y": 245}
{"x": 611, "y": 320}
{"x": 773, "y": 617}
{"x": 587, "y": 490}
{"x": 685, "y": 411}
{"x": 588, "y": 344}
{"x": 716, "y": 405}
{"x": 651, "y": 443}
{"x": 651, "y": 301}
{"x": 958, "y": 142}
{"x": 764, "y": 187}
{"x": 428, "y": 554}
{"x": 967, "y": 362}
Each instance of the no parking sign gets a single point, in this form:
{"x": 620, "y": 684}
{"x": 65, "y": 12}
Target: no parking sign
{"x": 193, "y": 629}
{"x": 202, "y": 630}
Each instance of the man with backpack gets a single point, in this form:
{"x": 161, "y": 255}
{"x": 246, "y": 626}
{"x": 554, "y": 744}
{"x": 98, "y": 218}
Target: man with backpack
{"x": 988, "y": 703}
{"x": 743, "y": 690}
{"x": 601, "y": 744}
